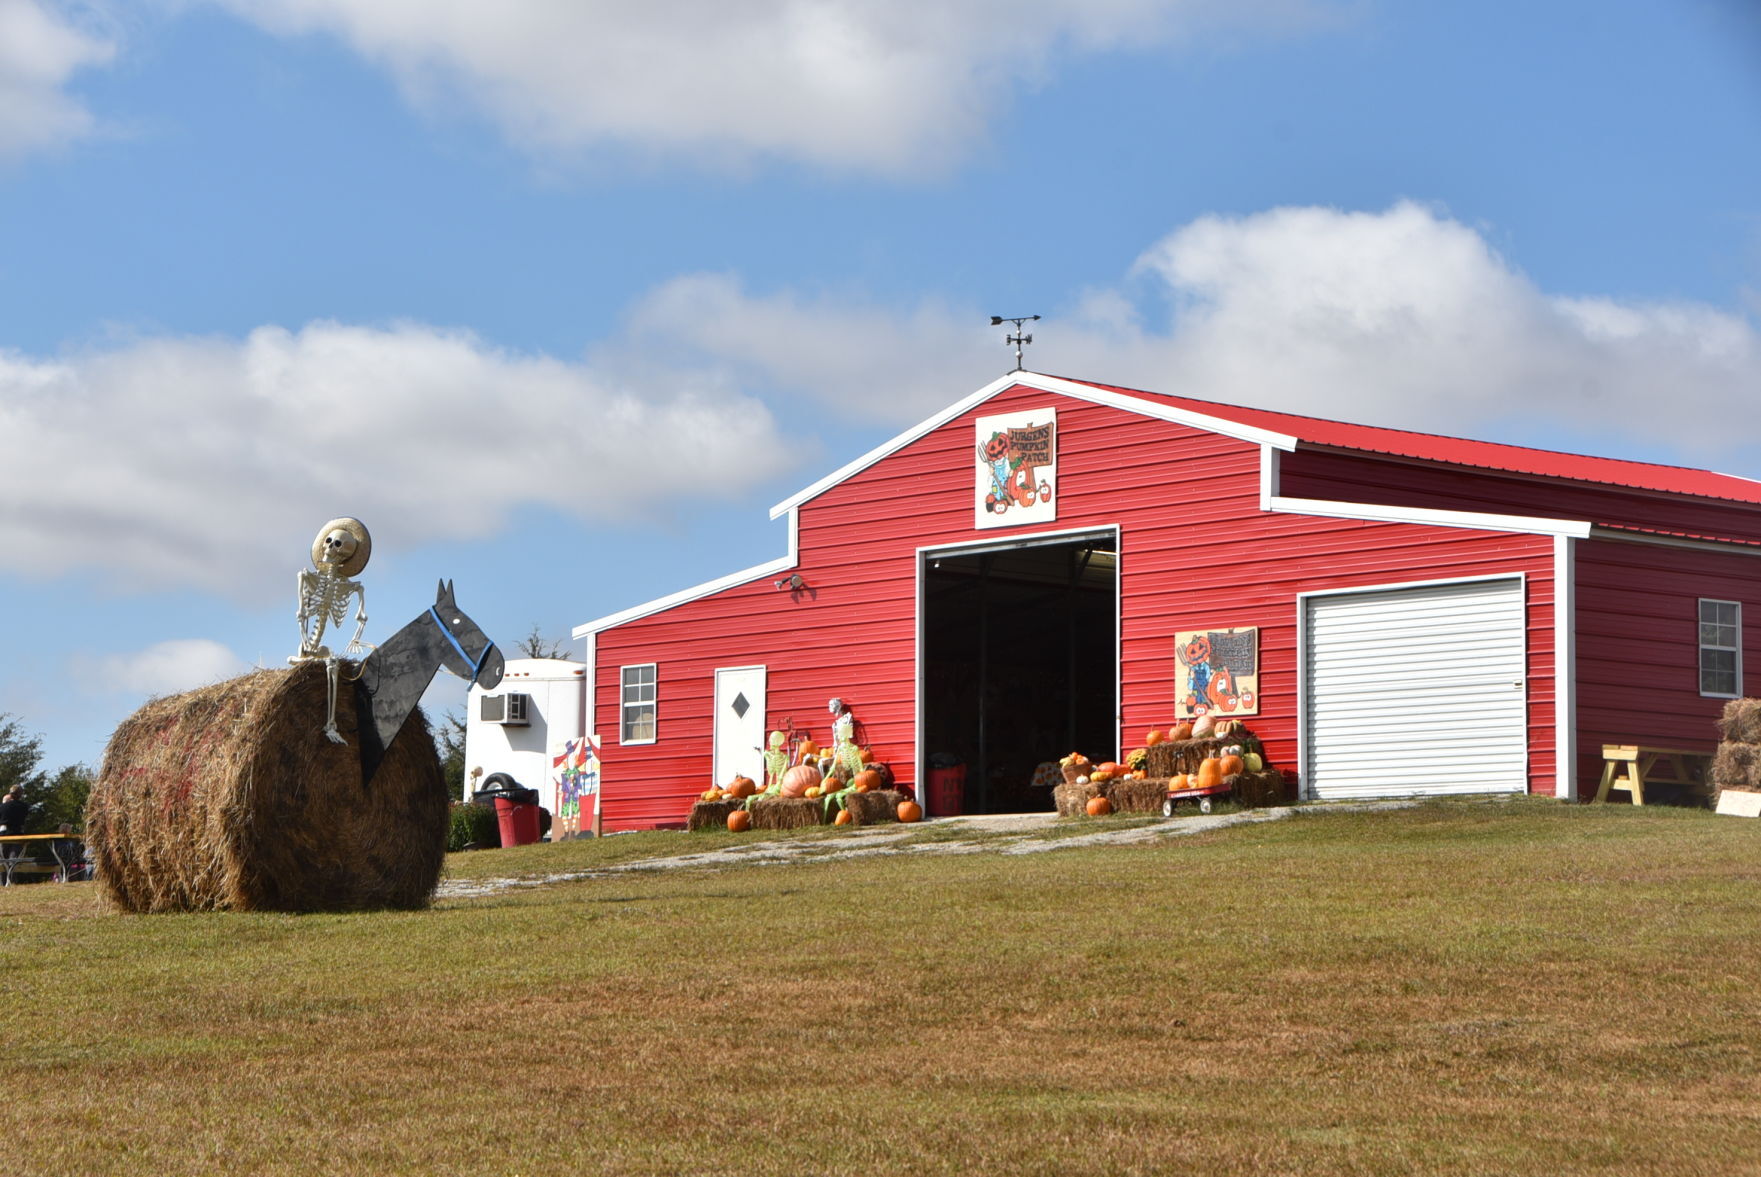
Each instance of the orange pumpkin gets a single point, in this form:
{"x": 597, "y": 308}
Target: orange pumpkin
{"x": 1177, "y": 783}
{"x": 1210, "y": 773}
{"x": 1110, "y": 767}
{"x": 867, "y": 756}
{"x": 867, "y": 779}
{"x": 843, "y": 818}
{"x": 739, "y": 820}
{"x": 799, "y": 779}
{"x": 910, "y": 811}
{"x": 1231, "y": 765}
{"x": 1182, "y": 731}
{"x": 1154, "y": 738}
{"x": 1099, "y": 807}
{"x": 740, "y": 786}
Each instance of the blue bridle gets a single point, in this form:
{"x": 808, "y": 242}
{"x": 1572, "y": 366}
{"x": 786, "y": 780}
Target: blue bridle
{"x": 476, "y": 663}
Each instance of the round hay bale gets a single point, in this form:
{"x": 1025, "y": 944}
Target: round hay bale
{"x": 231, "y": 797}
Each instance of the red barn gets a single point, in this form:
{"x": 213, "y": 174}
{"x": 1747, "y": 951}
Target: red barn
{"x": 1052, "y": 564}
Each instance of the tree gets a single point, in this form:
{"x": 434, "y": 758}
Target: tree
{"x": 536, "y": 645}
{"x": 449, "y": 742}
{"x": 19, "y": 755}
{"x": 63, "y": 801}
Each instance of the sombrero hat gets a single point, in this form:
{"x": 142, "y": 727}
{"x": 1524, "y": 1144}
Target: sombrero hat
{"x": 363, "y": 545}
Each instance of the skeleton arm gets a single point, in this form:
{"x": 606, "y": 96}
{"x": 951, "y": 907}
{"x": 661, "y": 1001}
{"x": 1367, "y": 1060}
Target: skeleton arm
{"x": 360, "y": 592}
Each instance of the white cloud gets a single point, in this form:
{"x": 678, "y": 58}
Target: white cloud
{"x": 40, "y": 50}
{"x": 1403, "y": 317}
{"x": 205, "y": 461}
{"x": 163, "y": 668}
{"x": 892, "y": 88}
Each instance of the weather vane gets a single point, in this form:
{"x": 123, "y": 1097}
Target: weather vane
{"x": 1018, "y": 338}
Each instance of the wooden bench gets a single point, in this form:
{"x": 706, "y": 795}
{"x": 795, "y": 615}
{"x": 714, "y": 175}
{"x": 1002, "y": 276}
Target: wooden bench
{"x": 1630, "y": 767}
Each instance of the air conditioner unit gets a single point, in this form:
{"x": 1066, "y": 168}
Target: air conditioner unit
{"x": 510, "y": 709}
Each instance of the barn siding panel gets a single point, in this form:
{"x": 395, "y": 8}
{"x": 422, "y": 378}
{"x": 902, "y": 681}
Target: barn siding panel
{"x": 1195, "y": 552}
{"x": 1638, "y": 644}
{"x": 1321, "y": 474}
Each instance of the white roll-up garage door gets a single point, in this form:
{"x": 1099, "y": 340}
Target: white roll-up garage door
{"x": 1415, "y": 691}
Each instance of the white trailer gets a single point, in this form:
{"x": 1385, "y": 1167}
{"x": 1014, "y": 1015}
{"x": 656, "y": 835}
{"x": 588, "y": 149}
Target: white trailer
{"x": 533, "y": 727}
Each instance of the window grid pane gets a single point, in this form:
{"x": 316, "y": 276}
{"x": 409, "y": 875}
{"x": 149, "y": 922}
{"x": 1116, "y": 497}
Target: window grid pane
{"x": 1720, "y": 647}
{"x": 639, "y": 703}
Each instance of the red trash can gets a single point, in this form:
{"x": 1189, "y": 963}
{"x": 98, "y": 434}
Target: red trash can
{"x": 947, "y": 788}
{"x": 519, "y": 823}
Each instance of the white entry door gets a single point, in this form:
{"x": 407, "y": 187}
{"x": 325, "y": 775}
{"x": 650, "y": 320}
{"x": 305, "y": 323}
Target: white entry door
{"x": 739, "y": 723}
{"x": 1415, "y": 691}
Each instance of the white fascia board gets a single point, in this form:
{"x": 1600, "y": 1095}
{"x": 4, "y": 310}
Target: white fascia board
{"x": 1069, "y": 388}
{"x": 707, "y": 588}
{"x": 1378, "y": 513}
{"x": 1565, "y": 670}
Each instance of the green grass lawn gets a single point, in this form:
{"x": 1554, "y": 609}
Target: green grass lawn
{"x": 1460, "y": 988}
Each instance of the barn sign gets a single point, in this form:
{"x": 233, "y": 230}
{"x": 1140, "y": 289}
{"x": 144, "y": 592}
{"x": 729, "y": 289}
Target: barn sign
{"x": 1217, "y": 672}
{"x": 1017, "y": 469}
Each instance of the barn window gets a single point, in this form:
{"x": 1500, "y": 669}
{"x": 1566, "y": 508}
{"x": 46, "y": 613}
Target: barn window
{"x": 1721, "y": 651}
{"x": 637, "y": 689}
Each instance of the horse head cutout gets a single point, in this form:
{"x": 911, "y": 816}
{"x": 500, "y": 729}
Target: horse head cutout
{"x": 394, "y": 676}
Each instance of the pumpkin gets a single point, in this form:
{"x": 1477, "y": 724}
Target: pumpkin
{"x": 799, "y": 779}
{"x": 1099, "y": 807}
{"x": 1182, "y": 731}
{"x": 739, "y": 820}
{"x": 1099, "y": 775}
{"x": 1253, "y": 761}
{"x": 910, "y": 811}
{"x": 743, "y": 782}
{"x": 813, "y": 791}
{"x": 1110, "y": 766}
{"x": 1202, "y": 729}
{"x": 843, "y": 818}
{"x": 865, "y": 780}
{"x": 1176, "y": 783}
{"x": 1232, "y": 765}
{"x": 866, "y": 756}
{"x": 1153, "y": 738}
{"x": 1210, "y": 773}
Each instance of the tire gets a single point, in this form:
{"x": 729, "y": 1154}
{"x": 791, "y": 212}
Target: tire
{"x": 1204, "y": 804}
{"x": 1168, "y": 808}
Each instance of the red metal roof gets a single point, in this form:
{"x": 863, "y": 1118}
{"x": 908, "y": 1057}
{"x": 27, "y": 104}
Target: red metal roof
{"x": 1487, "y": 455}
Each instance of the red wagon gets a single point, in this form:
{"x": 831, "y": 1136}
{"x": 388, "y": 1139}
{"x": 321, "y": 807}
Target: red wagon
{"x": 1202, "y": 796}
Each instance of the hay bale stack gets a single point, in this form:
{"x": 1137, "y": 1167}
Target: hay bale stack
{"x": 1072, "y": 799}
{"x": 1257, "y": 790}
{"x": 1132, "y": 796}
{"x": 874, "y": 806}
{"x": 1741, "y": 722}
{"x": 231, "y": 797}
{"x": 787, "y": 813}
{"x": 711, "y": 815}
{"x": 1175, "y": 757}
{"x": 1737, "y": 763}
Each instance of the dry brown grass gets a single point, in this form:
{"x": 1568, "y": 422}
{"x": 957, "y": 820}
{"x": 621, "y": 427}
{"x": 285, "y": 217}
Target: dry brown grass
{"x": 1453, "y": 989}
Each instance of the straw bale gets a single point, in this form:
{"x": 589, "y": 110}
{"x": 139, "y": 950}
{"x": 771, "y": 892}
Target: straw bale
{"x": 1737, "y": 766}
{"x": 876, "y": 805}
{"x": 711, "y": 815}
{"x": 1133, "y": 796}
{"x": 231, "y": 797}
{"x": 787, "y": 813}
{"x": 1174, "y": 757}
{"x": 1072, "y": 799}
{"x": 1256, "y": 790}
{"x": 1741, "y": 721}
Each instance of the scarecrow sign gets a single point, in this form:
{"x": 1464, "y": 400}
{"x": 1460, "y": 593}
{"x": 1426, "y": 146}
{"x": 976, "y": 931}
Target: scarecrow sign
{"x": 1017, "y": 469}
{"x": 1216, "y": 672}
{"x": 575, "y": 775}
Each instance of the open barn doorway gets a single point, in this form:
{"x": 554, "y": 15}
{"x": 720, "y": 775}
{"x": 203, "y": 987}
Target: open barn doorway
{"x": 1019, "y": 663}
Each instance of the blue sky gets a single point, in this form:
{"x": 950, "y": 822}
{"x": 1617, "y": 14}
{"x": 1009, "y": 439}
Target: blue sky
{"x": 559, "y": 295}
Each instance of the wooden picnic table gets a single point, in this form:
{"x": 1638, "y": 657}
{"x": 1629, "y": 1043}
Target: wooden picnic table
{"x": 1630, "y": 767}
{"x": 11, "y": 862}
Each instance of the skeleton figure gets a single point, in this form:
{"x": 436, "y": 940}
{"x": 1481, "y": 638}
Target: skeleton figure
{"x": 340, "y": 552}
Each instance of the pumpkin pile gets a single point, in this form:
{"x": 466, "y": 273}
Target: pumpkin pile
{"x": 1206, "y": 754}
{"x": 806, "y": 786}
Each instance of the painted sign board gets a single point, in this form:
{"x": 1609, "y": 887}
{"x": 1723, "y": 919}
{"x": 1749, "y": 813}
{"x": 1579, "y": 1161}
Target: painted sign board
{"x": 1016, "y": 469}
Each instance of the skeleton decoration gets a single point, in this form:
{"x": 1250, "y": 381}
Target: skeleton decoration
{"x": 339, "y": 553}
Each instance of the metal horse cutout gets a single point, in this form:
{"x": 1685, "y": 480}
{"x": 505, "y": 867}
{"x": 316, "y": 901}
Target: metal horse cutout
{"x": 395, "y": 674}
